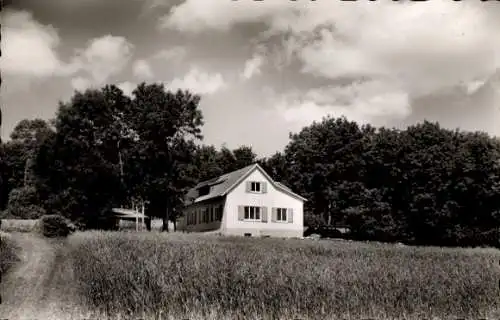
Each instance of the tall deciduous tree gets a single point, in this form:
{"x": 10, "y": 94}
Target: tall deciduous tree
{"x": 80, "y": 163}
{"x": 18, "y": 155}
{"x": 167, "y": 125}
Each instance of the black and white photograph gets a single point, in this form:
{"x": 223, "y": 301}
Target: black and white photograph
{"x": 250, "y": 160}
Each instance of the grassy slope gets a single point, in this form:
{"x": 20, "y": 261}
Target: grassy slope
{"x": 39, "y": 286}
{"x": 19, "y": 225}
{"x": 8, "y": 252}
{"x": 203, "y": 277}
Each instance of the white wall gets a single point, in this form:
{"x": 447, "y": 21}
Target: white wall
{"x": 272, "y": 198}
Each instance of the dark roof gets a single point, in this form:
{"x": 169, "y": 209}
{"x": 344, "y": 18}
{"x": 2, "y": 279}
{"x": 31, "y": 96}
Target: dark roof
{"x": 220, "y": 186}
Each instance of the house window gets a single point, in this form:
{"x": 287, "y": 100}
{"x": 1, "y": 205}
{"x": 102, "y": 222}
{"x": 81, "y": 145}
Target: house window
{"x": 191, "y": 217}
{"x": 218, "y": 213}
{"x": 281, "y": 215}
{"x": 255, "y": 187}
{"x": 205, "y": 215}
{"x": 252, "y": 213}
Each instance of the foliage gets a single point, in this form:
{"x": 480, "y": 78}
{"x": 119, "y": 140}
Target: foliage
{"x": 242, "y": 278}
{"x": 423, "y": 185}
{"x": 53, "y": 226}
{"x": 17, "y": 156}
{"x": 23, "y": 204}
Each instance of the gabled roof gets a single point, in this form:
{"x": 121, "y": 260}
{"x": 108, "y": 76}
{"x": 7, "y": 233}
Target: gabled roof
{"x": 222, "y": 185}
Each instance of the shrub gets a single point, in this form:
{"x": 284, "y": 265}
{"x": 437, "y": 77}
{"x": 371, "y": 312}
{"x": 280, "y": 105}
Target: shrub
{"x": 55, "y": 226}
{"x": 23, "y": 204}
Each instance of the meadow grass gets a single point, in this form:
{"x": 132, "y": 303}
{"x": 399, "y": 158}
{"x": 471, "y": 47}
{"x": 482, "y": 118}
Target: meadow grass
{"x": 209, "y": 277}
{"x": 19, "y": 225}
{"x": 8, "y": 252}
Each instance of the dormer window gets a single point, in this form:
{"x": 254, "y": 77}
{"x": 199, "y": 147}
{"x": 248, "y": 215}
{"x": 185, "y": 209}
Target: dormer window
{"x": 203, "y": 191}
{"x": 255, "y": 187}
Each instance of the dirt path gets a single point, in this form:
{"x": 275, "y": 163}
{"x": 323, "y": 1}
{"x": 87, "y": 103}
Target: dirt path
{"x": 38, "y": 287}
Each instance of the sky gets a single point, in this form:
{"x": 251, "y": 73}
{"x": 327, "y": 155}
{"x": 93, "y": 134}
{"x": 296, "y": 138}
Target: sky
{"x": 265, "y": 68}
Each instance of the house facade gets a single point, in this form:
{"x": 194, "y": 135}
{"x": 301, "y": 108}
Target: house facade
{"x": 246, "y": 202}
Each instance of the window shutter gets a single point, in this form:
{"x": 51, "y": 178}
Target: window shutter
{"x": 241, "y": 213}
{"x": 264, "y": 187}
{"x": 289, "y": 213}
{"x": 263, "y": 214}
{"x": 249, "y": 186}
{"x": 274, "y": 213}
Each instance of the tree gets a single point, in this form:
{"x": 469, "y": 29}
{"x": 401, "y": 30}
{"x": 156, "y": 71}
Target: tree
{"x": 79, "y": 164}
{"x": 24, "y": 204}
{"x": 29, "y": 134}
{"x": 205, "y": 163}
{"x": 167, "y": 125}
{"x": 321, "y": 158}
{"x": 277, "y": 167}
{"x": 243, "y": 156}
{"x": 18, "y": 155}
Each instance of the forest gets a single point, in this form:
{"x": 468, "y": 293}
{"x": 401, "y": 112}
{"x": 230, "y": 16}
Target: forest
{"x": 423, "y": 185}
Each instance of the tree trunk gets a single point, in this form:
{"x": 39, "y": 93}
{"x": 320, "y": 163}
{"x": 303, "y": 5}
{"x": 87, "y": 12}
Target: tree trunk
{"x": 26, "y": 164}
{"x": 165, "y": 221}
{"x": 175, "y": 225}
{"x": 326, "y": 216}
{"x": 147, "y": 221}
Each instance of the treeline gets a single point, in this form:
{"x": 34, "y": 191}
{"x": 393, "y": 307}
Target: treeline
{"x": 423, "y": 185}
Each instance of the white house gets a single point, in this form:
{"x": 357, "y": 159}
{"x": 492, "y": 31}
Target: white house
{"x": 244, "y": 202}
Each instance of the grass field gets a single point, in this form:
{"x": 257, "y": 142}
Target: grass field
{"x": 189, "y": 276}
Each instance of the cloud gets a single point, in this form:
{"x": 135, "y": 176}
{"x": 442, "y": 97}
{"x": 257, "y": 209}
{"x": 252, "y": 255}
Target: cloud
{"x": 373, "y": 102}
{"x": 29, "y": 47}
{"x": 333, "y": 39}
{"x": 127, "y": 87}
{"x": 199, "y": 82}
{"x": 252, "y": 67}
{"x": 413, "y": 49}
{"x": 104, "y": 57}
{"x": 81, "y": 83}
{"x": 175, "y": 54}
{"x": 142, "y": 69}
{"x": 201, "y": 15}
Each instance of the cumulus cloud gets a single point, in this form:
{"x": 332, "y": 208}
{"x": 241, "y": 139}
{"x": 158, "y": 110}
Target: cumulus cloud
{"x": 29, "y": 47}
{"x": 127, "y": 87}
{"x": 200, "y": 15}
{"x": 142, "y": 69}
{"x": 104, "y": 57}
{"x": 174, "y": 54}
{"x": 410, "y": 50}
{"x": 81, "y": 83}
{"x": 252, "y": 67}
{"x": 199, "y": 82}
{"x": 373, "y": 102}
